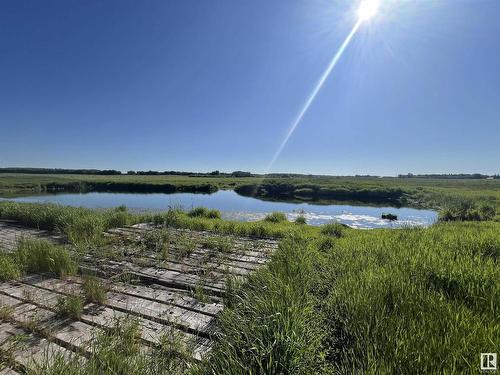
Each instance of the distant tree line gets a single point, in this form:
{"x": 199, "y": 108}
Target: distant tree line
{"x": 60, "y": 171}
{"x": 115, "y": 172}
{"x": 475, "y": 176}
{"x": 193, "y": 174}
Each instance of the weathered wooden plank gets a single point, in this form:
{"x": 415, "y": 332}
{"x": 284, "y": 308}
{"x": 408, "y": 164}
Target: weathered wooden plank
{"x": 11, "y": 232}
{"x": 151, "y": 331}
{"x": 28, "y": 293}
{"x": 28, "y": 351}
{"x": 256, "y": 248}
{"x": 8, "y": 331}
{"x": 29, "y": 315}
{"x": 72, "y": 335}
{"x": 164, "y": 277}
{"x": 169, "y": 296}
{"x": 36, "y": 351}
{"x": 182, "y": 318}
{"x": 8, "y": 301}
{"x": 218, "y": 270}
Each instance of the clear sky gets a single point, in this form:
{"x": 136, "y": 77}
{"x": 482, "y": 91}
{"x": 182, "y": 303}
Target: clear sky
{"x": 204, "y": 85}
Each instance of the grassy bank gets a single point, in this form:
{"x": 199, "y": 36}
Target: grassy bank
{"x": 86, "y": 226}
{"x": 382, "y": 301}
{"x": 431, "y": 193}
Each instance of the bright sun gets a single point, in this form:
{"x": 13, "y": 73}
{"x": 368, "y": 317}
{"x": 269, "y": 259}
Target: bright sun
{"x": 367, "y": 9}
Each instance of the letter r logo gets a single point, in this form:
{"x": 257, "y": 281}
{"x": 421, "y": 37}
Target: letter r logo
{"x": 489, "y": 361}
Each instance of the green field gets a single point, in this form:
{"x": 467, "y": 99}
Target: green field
{"x": 333, "y": 300}
{"x": 417, "y": 192}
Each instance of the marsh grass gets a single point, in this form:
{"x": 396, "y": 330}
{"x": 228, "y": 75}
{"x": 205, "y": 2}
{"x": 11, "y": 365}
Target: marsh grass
{"x": 84, "y": 227}
{"x": 461, "y": 209}
{"x": 383, "y": 301}
{"x": 412, "y": 300}
{"x": 269, "y": 325}
{"x": 79, "y": 225}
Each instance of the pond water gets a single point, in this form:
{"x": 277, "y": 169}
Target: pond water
{"x": 236, "y": 207}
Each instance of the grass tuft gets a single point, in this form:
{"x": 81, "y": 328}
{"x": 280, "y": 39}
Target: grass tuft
{"x": 70, "y": 306}
{"x": 276, "y": 217}
{"x": 333, "y": 229}
{"x": 94, "y": 290}
{"x": 40, "y": 256}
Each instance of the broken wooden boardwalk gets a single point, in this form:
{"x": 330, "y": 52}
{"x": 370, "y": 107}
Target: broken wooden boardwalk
{"x": 171, "y": 281}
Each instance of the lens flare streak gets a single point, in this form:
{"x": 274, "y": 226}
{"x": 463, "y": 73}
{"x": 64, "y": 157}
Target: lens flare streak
{"x": 314, "y": 93}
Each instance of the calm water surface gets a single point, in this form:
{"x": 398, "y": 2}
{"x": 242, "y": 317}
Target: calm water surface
{"x": 237, "y": 207}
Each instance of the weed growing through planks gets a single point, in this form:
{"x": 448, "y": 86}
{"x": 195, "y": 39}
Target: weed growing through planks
{"x": 70, "y": 306}
{"x": 156, "y": 239}
{"x": 217, "y": 243}
{"x": 94, "y": 290}
{"x": 13, "y": 343}
{"x": 200, "y": 294}
{"x": 118, "y": 350}
{"x": 187, "y": 245}
{"x": 6, "y": 312}
{"x": 172, "y": 352}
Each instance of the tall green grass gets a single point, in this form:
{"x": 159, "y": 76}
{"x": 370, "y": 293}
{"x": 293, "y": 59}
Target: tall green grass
{"x": 412, "y": 300}
{"x": 80, "y": 225}
{"x": 269, "y": 325}
{"x": 86, "y": 226}
{"x": 36, "y": 256}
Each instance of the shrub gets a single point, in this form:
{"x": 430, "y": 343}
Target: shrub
{"x": 198, "y": 212}
{"x": 300, "y": 220}
{"x": 333, "y": 229}
{"x": 213, "y": 214}
{"x": 204, "y": 212}
{"x": 467, "y": 210}
{"x": 276, "y": 217}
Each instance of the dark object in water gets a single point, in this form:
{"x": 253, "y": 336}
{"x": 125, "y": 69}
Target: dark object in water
{"x": 390, "y": 217}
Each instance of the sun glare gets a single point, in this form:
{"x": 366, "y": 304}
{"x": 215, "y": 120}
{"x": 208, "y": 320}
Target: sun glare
{"x": 367, "y": 9}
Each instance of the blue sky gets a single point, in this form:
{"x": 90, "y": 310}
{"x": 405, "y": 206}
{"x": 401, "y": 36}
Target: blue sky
{"x": 205, "y": 85}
